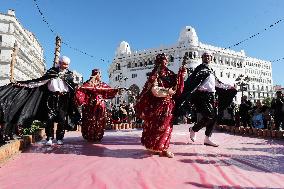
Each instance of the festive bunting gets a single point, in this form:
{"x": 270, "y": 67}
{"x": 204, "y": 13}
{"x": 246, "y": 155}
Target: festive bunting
{"x": 83, "y": 52}
{"x": 53, "y": 31}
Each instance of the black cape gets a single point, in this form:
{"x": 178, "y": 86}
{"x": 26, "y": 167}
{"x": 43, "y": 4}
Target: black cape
{"x": 20, "y": 104}
{"x": 224, "y": 94}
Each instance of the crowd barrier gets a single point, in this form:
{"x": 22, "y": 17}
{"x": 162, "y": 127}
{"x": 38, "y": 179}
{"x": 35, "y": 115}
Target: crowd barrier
{"x": 123, "y": 126}
{"x": 247, "y": 131}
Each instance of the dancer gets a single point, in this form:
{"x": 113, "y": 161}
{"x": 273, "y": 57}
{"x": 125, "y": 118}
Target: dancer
{"x": 48, "y": 98}
{"x": 91, "y": 95}
{"x": 200, "y": 89}
{"x": 155, "y": 105}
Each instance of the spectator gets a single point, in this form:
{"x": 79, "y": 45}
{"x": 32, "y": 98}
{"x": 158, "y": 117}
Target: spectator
{"x": 277, "y": 107}
{"x": 123, "y": 109}
{"x": 259, "y": 115}
{"x": 227, "y": 116}
{"x": 244, "y": 111}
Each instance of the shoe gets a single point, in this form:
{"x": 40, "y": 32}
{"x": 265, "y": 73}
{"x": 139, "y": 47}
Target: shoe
{"x": 208, "y": 142}
{"x": 192, "y": 135}
{"x": 49, "y": 142}
{"x": 167, "y": 154}
{"x": 60, "y": 142}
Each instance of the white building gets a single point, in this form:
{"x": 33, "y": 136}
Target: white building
{"x": 30, "y": 63}
{"x": 130, "y": 69}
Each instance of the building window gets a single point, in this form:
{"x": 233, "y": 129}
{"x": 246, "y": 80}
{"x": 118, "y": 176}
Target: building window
{"x": 0, "y": 38}
{"x": 141, "y": 64}
{"x": 134, "y": 75}
{"x": 239, "y": 64}
{"x": 148, "y": 74}
{"x": 228, "y": 74}
{"x": 117, "y": 66}
{"x": 118, "y": 100}
{"x": 171, "y": 58}
{"x": 129, "y": 65}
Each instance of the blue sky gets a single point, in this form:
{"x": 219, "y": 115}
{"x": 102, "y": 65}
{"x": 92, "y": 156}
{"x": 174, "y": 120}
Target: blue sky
{"x": 98, "y": 26}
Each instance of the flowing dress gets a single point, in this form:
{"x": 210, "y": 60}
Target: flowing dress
{"x": 92, "y": 99}
{"x": 155, "y": 106}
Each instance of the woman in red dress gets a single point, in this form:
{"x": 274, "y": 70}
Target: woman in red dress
{"x": 91, "y": 95}
{"x": 156, "y": 103}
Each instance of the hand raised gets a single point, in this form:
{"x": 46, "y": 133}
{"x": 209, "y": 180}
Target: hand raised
{"x": 172, "y": 91}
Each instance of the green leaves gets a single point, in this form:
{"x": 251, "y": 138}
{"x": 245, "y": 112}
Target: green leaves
{"x": 34, "y": 127}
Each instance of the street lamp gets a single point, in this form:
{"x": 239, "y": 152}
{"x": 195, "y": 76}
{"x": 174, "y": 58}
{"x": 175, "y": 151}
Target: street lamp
{"x": 242, "y": 82}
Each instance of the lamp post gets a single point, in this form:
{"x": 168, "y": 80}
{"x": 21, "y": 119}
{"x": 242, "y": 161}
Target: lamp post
{"x": 242, "y": 82}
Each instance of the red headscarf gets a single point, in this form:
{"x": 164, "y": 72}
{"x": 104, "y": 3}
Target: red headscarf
{"x": 160, "y": 71}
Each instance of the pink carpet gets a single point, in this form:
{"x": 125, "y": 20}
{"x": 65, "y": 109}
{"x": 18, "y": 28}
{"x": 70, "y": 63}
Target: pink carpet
{"x": 120, "y": 162}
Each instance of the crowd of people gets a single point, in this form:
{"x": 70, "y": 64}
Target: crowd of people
{"x": 166, "y": 96}
{"x": 263, "y": 115}
{"x": 124, "y": 113}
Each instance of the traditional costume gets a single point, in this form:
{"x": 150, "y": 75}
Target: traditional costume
{"x": 200, "y": 89}
{"x": 46, "y": 99}
{"x": 92, "y": 98}
{"x": 155, "y": 105}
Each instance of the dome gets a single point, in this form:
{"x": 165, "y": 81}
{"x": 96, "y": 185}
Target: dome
{"x": 188, "y": 35}
{"x": 123, "y": 49}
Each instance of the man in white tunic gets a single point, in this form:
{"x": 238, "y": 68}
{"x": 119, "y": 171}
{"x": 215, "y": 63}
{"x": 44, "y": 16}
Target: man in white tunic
{"x": 48, "y": 99}
{"x": 199, "y": 90}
